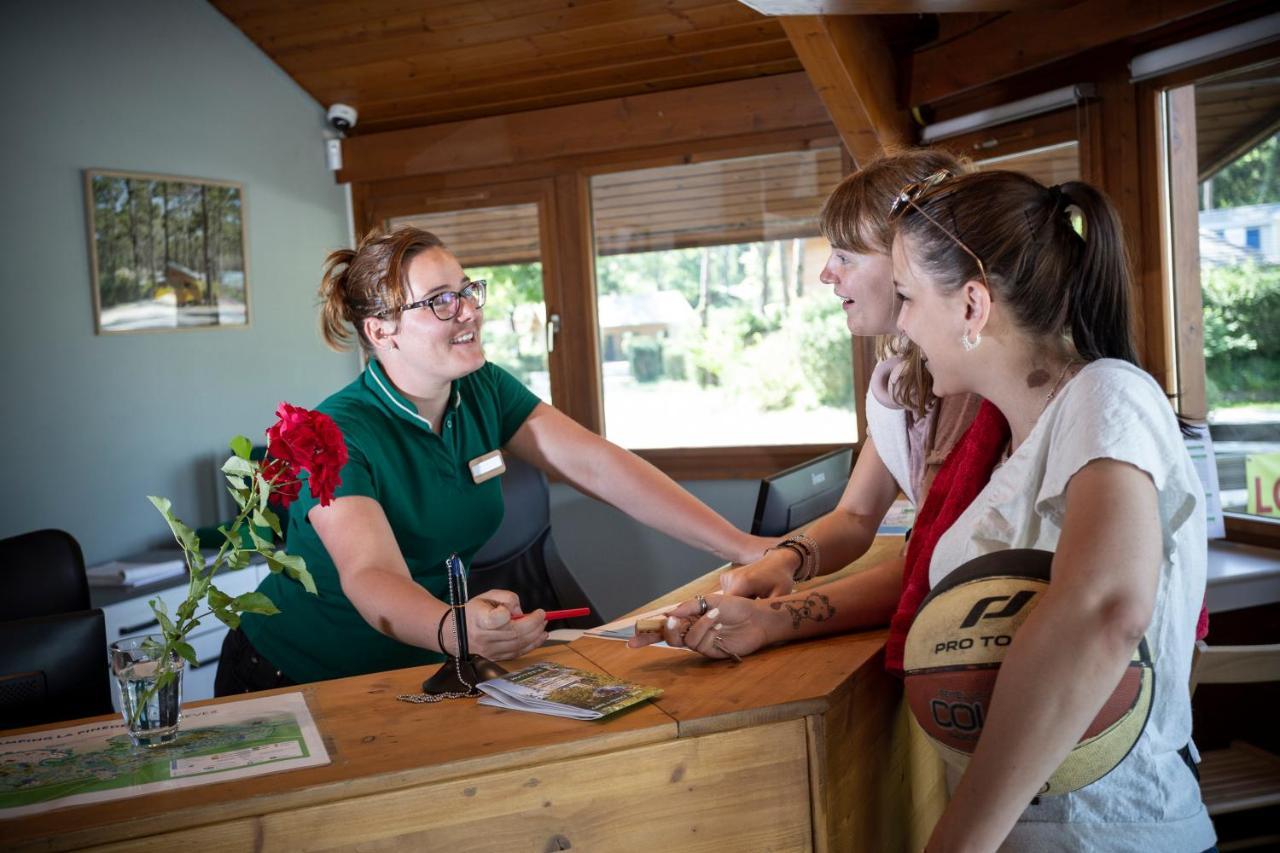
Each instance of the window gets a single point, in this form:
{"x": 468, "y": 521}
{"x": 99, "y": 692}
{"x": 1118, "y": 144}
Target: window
{"x": 1224, "y": 202}
{"x": 714, "y": 329}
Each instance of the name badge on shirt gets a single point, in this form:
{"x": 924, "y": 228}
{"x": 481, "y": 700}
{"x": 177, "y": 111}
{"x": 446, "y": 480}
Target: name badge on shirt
{"x": 487, "y": 467}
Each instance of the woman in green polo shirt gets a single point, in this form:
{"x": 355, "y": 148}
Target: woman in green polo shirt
{"x": 420, "y": 423}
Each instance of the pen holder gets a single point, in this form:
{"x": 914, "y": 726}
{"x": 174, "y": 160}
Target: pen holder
{"x": 461, "y": 676}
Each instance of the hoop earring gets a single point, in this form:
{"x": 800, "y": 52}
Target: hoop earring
{"x": 970, "y": 345}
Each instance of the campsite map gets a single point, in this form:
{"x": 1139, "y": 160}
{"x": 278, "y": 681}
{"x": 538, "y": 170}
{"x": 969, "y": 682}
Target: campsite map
{"x": 95, "y": 762}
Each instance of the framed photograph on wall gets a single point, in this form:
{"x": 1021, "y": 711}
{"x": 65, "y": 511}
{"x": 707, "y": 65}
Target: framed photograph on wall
{"x": 166, "y": 252}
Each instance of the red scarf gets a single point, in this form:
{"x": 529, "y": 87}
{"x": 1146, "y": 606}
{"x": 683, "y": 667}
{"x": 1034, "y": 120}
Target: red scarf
{"x": 962, "y": 476}
{"x": 959, "y": 480}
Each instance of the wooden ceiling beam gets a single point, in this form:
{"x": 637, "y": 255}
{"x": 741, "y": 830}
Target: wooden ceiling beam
{"x": 895, "y": 7}
{"x": 851, "y": 68}
{"x": 383, "y": 117}
{"x": 428, "y": 95}
{"x": 759, "y": 105}
{"x": 1021, "y": 41}
{"x": 449, "y": 68}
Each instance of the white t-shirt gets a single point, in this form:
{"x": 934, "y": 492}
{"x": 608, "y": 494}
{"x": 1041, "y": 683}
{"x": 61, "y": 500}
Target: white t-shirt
{"x": 888, "y": 428}
{"x": 1110, "y": 410}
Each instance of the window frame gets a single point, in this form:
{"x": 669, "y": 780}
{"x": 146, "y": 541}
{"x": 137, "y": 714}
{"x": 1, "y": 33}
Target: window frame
{"x": 562, "y": 191}
{"x": 1181, "y": 338}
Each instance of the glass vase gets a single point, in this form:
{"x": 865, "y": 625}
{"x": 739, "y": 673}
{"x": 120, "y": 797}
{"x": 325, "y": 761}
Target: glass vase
{"x": 152, "y": 714}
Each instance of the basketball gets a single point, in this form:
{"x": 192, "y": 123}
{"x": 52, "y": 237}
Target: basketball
{"x": 953, "y": 653}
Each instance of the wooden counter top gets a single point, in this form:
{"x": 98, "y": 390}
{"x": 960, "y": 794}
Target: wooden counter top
{"x": 719, "y": 750}
{"x": 376, "y": 743}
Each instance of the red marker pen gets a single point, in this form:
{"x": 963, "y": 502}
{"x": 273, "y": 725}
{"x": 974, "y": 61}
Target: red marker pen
{"x": 572, "y": 613}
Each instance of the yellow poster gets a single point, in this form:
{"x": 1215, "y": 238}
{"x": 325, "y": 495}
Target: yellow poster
{"x": 1262, "y": 474}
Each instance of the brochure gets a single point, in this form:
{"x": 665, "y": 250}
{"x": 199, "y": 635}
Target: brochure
{"x": 562, "y": 691}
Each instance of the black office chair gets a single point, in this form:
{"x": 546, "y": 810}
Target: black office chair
{"x": 796, "y": 496}
{"x": 42, "y": 573}
{"x": 53, "y": 668}
{"x": 522, "y": 557}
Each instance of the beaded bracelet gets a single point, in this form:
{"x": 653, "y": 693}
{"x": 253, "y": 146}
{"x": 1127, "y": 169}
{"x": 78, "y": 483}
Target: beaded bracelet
{"x": 806, "y": 549}
{"x": 814, "y": 562}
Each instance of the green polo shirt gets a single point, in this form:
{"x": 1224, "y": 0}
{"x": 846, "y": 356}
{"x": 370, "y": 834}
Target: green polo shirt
{"x": 423, "y": 482}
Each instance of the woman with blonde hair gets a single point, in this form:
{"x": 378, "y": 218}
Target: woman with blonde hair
{"x": 426, "y": 424}
{"x": 910, "y": 431}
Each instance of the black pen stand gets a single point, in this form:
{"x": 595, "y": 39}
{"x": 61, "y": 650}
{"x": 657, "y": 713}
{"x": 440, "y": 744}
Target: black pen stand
{"x": 461, "y": 676}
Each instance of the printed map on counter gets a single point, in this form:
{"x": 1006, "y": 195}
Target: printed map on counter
{"x": 91, "y": 763}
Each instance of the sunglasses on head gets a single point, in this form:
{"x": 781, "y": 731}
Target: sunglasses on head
{"x": 909, "y": 196}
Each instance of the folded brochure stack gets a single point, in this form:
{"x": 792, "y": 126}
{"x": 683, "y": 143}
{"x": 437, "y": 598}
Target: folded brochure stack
{"x": 562, "y": 691}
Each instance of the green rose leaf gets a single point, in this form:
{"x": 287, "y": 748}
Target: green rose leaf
{"x": 228, "y": 618}
{"x": 272, "y": 520}
{"x": 162, "y": 616}
{"x": 186, "y": 609}
{"x": 255, "y": 602}
{"x": 218, "y": 599}
{"x": 304, "y": 578}
{"x": 185, "y": 535}
{"x": 241, "y": 446}
{"x": 237, "y": 467}
{"x": 296, "y": 568}
{"x": 187, "y": 653}
{"x": 238, "y": 559}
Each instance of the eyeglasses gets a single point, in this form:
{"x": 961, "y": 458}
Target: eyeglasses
{"x": 910, "y": 194}
{"x": 446, "y": 305}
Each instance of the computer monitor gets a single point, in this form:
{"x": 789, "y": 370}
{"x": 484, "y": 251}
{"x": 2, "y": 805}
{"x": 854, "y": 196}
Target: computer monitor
{"x": 796, "y": 496}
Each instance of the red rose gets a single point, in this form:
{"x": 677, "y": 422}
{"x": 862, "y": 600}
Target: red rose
{"x": 284, "y": 481}
{"x": 312, "y": 442}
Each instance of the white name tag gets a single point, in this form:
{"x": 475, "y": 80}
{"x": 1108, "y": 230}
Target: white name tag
{"x": 487, "y": 467}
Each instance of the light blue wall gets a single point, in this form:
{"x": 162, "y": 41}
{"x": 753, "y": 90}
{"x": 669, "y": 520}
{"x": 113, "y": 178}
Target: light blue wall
{"x": 92, "y": 424}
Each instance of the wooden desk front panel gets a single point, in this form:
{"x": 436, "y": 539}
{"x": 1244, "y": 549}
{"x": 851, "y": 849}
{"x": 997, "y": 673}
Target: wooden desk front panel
{"x": 746, "y": 789}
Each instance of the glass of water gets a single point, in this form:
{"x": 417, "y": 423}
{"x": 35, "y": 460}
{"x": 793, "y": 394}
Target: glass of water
{"x": 152, "y": 713}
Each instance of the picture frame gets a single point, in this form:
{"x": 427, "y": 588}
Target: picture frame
{"x": 166, "y": 252}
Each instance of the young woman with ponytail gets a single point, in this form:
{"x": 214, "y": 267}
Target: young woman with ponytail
{"x": 424, "y": 424}
{"x": 1008, "y": 300}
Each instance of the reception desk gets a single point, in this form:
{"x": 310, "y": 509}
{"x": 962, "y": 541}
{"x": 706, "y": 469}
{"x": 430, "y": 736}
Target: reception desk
{"x": 799, "y": 747}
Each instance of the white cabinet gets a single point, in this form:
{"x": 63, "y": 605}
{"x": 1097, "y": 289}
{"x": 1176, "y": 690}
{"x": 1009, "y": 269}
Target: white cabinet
{"x": 132, "y": 617}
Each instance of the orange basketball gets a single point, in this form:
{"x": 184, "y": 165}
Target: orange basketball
{"x": 953, "y": 655}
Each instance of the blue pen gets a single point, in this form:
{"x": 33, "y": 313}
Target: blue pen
{"x": 458, "y": 583}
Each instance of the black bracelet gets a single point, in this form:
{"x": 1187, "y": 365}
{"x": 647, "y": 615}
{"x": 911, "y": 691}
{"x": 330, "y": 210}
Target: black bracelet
{"x": 440, "y": 630}
{"x": 794, "y": 549}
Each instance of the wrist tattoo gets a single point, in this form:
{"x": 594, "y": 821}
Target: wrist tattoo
{"x": 815, "y": 606}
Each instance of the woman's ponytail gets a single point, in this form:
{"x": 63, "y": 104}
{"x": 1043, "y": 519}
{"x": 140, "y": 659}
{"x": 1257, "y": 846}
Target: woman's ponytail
{"x": 335, "y": 322}
{"x": 1098, "y": 288}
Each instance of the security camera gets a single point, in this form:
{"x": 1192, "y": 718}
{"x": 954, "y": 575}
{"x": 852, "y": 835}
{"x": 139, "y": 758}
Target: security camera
{"x": 342, "y": 117}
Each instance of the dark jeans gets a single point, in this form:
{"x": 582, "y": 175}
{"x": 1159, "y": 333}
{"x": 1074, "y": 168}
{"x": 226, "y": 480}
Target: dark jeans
{"x": 241, "y": 669}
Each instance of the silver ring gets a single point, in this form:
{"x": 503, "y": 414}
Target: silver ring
{"x": 702, "y": 604}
